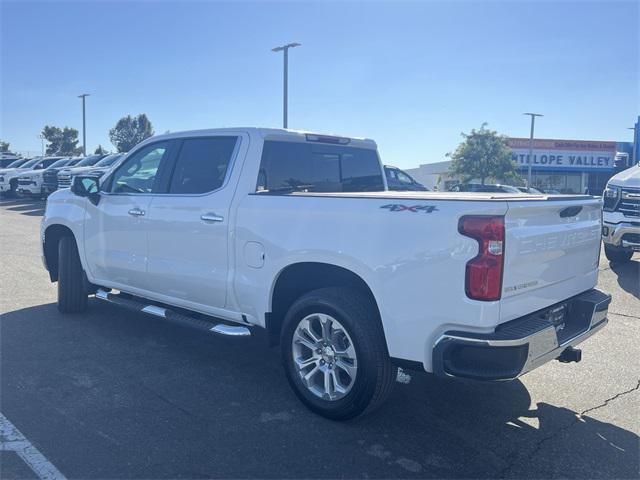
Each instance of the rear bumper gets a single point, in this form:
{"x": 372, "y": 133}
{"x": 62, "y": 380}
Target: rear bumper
{"x": 521, "y": 345}
{"x": 623, "y": 234}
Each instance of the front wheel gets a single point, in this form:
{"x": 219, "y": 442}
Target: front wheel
{"x": 13, "y": 189}
{"x": 72, "y": 293}
{"x": 616, "y": 255}
{"x": 334, "y": 353}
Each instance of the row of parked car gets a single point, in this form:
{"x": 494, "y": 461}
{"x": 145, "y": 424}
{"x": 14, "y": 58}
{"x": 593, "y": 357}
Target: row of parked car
{"x": 38, "y": 177}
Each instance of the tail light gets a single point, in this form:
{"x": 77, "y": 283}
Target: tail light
{"x": 483, "y": 279}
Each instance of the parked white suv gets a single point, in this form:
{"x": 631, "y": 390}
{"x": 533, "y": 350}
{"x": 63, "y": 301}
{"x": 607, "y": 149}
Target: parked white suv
{"x": 621, "y": 215}
{"x": 234, "y": 229}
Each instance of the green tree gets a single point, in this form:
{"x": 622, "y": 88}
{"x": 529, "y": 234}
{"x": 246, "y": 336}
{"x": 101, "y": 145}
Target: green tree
{"x": 129, "y": 131}
{"x": 4, "y": 146}
{"x": 483, "y": 154}
{"x": 100, "y": 151}
{"x": 61, "y": 141}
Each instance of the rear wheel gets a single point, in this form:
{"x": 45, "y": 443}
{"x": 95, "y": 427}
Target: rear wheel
{"x": 334, "y": 353}
{"x": 72, "y": 294}
{"x": 616, "y": 255}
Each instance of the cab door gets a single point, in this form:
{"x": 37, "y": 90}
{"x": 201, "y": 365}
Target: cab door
{"x": 115, "y": 236}
{"x": 188, "y": 225}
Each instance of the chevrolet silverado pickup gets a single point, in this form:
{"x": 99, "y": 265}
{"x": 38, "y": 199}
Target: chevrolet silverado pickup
{"x": 65, "y": 175}
{"x": 233, "y": 230}
{"x": 621, "y": 215}
{"x": 50, "y": 175}
{"x": 9, "y": 176}
{"x": 31, "y": 182}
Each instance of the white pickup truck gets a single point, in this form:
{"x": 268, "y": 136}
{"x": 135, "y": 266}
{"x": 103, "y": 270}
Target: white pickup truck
{"x": 621, "y": 215}
{"x": 229, "y": 230}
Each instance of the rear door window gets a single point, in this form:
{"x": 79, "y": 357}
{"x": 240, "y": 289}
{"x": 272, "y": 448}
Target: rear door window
{"x": 202, "y": 164}
{"x": 312, "y": 167}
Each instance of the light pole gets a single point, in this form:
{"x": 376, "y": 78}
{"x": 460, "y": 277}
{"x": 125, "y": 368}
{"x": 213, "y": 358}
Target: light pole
{"x": 285, "y": 49}
{"x": 530, "y": 159}
{"x": 84, "y": 125}
{"x": 634, "y": 160}
{"x": 41, "y": 137}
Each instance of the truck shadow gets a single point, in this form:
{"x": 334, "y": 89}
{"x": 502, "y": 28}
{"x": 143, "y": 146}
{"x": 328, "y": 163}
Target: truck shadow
{"x": 25, "y": 206}
{"x": 628, "y": 275}
{"x": 165, "y": 401}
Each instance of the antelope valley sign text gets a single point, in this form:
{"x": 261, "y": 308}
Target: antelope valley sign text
{"x": 564, "y": 154}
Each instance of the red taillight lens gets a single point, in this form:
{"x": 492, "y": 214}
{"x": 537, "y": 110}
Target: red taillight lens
{"x": 484, "y": 272}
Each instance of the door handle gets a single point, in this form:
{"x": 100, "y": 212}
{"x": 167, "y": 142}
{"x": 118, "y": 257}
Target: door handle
{"x": 136, "y": 212}
{"x": 211, "y": 217}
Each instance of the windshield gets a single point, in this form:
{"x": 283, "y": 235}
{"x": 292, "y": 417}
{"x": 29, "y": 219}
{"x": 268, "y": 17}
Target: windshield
{"x": 17, "y": 163}
{"x": 31, "y": 163}
{"x": 108, "y": 160}
{"x": 509, "y": 189}
{"x": 89, "y": 161}
{"x": 405, "y": 178}
{"x": 60, "y": 163}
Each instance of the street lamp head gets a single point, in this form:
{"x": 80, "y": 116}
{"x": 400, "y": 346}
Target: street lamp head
{"x": 285, "y": 47}
{"x": 83, "y": 95}
{"x": 534, "y": 114}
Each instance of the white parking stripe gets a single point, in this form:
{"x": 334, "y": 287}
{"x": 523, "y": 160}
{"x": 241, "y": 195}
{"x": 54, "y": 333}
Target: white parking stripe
{"x": 11, "y": 440}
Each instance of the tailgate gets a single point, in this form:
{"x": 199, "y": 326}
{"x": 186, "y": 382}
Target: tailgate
{"x": 552, "y": 249}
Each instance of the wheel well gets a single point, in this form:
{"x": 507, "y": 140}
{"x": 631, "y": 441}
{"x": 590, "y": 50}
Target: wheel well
{"x": 52, "y": 236}
{"x": 300, "y": 278}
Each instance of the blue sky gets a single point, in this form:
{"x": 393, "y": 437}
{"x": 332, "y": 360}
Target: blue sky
{"x": 410, "y": 75}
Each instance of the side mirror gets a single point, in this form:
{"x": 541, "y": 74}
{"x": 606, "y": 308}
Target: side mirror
{"x": 86, "y": 186}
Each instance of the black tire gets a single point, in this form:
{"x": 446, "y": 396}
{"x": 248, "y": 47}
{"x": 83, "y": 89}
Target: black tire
{"x": 72, "y": 294}
{"x": 617, "y": 256}
{"x": 375, "y": 375}
{"x": 13, "y": 192}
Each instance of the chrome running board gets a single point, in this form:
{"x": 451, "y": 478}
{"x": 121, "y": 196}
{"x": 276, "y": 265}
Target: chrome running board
{"x": 202, "y": 323}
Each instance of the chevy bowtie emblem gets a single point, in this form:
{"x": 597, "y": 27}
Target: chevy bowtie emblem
{"x": 396, "y": 207}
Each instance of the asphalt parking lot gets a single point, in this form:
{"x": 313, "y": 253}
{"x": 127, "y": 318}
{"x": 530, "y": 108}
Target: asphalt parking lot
{"x": 114, "y": 394}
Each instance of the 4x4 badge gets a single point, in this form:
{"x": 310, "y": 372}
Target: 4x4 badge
{"x": 396, "y": 207}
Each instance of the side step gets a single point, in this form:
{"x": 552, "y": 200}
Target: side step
{"x": 202, "y": 324}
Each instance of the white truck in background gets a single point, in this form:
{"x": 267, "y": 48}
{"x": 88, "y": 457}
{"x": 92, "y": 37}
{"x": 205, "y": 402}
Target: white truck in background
{"x": 621, "y": 215}
{"x": 229, "y": 230}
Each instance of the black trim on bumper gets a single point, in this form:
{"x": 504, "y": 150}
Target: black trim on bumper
{"x": 521, "y": 345}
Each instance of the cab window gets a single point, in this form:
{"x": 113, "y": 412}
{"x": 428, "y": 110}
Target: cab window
{"x": 202, "y": 164}
{"x": 291, "y": 166}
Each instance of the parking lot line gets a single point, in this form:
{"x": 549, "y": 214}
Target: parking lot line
{"x": 12, "y": 440}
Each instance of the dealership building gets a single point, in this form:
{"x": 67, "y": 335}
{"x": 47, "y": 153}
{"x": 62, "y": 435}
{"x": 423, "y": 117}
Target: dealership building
{"x": 564, "y": 166}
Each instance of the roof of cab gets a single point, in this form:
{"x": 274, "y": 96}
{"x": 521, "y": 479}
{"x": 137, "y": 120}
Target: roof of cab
{"x": 266, "y": 133}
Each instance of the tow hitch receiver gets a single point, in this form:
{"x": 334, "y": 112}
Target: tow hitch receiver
{"x": 570, "y": 354}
